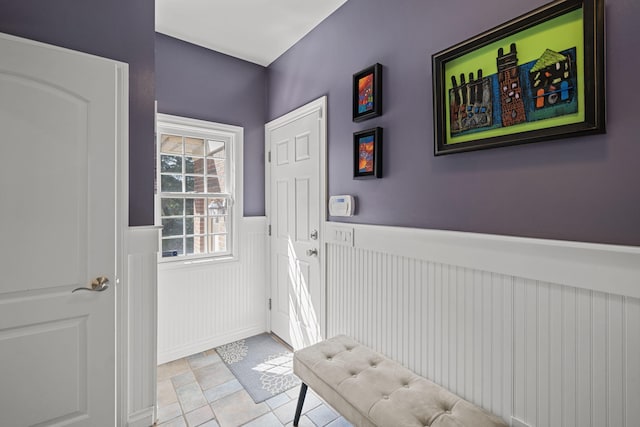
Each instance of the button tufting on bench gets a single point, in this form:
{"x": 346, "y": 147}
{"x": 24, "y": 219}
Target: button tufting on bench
{"x": 365, "y": 401}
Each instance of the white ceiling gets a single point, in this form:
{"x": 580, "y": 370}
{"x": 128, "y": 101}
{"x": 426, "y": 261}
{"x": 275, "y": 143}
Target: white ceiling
{"x": 258, "y": 31}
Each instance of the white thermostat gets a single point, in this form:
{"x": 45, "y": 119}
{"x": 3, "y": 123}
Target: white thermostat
{"x": 342, "y": 205}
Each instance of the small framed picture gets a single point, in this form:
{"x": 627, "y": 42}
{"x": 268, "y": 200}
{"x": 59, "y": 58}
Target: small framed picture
{"x": 367, "y": 93}
{"x": 367, "y": 153}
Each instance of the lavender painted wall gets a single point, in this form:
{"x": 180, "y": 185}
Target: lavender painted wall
{"x": 583, "y": 189}
{"x": 117, "y": 29}
{"x": 195, "y": 82}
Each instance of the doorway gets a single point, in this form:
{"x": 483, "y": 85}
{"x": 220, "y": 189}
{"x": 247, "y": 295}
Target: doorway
{"x": 296, "y": 213}
{"x": 64, "y": 116}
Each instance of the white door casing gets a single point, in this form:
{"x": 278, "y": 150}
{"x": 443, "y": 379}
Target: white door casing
{"x": 296, "y": 211}
{"x": 60, "y": 222}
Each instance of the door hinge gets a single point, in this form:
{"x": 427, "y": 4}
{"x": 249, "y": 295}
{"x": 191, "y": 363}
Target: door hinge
{"x": 269, "y": 156}
{"x": 269, "y": 230}
{"x": 269, "y": 304}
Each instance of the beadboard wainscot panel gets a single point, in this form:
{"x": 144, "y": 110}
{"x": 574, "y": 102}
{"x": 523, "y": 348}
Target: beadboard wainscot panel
{"x": 544, "y": 331}
{"x": 202, "y": 305}
{"x": 137, "y": 346}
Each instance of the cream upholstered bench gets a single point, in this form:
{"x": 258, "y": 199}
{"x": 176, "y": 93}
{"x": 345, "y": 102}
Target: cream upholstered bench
{"x": 369, "y": 389}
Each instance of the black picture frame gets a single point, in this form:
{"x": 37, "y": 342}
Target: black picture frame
{"x": 371, "y": 79}
{"x": 450, "y": 111}
{"x": 367, "y": 153}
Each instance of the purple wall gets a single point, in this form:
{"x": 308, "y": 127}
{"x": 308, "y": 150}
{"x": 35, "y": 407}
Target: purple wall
{"x": 195, "y": 82}
{"x": 575, "y": 189}
{"x": 117, "y": 29}
{"x": 583, "y": 189}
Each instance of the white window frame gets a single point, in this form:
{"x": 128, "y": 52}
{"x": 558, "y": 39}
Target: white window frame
{"x": 234, "y": 136}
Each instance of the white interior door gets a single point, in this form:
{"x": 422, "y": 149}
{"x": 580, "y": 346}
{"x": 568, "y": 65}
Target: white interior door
{"x": 296, "y": 212}
{"x": 58, "y": 138}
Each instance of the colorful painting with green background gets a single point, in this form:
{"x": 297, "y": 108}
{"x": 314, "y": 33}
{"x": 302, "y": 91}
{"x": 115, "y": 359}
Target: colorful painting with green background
{"x": 536, "y": 46}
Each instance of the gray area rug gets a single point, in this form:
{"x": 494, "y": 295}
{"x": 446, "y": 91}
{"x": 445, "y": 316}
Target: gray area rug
{"x": 261, "y": 364}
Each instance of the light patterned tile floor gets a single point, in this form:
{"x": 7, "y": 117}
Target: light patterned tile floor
{"x": 200, "y": 390}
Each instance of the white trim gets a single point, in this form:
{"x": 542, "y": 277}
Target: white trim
{"x": 207, "y": 344}
{"x": 319, "y": 105}
{"x": 234, "y": 136}
{"x": 194, "y": 263}
{"x": 142, "y": 418}
{"x": 138, "y": 305}
{"x": 611, "y": 269}
{"x": 122, "y": 219}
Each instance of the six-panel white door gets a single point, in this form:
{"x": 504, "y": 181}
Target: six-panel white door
{"x": 295, "y": 244}
{"x": 58, "y": 138}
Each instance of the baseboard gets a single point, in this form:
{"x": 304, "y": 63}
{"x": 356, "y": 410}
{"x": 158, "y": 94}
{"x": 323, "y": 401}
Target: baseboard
{"x": 143, "y": 418}
{"x": 207, "y": 344}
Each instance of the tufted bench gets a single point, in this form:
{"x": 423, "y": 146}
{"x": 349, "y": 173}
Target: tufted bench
{"x": 369, "y": 389}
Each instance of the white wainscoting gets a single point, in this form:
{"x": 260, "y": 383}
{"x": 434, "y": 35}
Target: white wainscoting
{"x": 547, "y": 332}
{"x": 137, "y": 323}
{"x": 204, "y": 305}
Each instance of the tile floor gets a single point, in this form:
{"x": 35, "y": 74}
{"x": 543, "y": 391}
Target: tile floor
{"x": 200, "y": 390}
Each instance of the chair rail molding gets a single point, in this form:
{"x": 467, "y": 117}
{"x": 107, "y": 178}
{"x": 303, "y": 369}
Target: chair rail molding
{"x": 606, "y": 268}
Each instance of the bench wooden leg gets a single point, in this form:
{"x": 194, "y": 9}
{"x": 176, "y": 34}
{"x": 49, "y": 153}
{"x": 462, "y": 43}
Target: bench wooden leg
{"x": 303, "y": 393}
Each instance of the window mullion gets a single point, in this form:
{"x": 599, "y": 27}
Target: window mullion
{"x": 206, "y": 215}
{"x": 184, "y": 188}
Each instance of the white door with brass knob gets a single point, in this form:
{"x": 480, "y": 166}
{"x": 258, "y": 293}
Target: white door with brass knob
{"x": 59, "y": 122}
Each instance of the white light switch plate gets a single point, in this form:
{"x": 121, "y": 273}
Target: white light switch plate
{"x": 341, "y": 236}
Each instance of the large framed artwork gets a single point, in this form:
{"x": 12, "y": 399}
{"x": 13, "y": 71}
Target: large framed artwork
{"x": 367, "y": 93}
{"x": 535, "y": 78}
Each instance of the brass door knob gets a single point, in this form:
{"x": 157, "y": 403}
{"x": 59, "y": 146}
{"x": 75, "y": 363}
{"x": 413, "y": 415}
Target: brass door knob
{"x": 98, "y": 284}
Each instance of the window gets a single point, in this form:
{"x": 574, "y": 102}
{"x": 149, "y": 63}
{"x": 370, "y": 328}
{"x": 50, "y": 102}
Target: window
{"x": 198, "y": 180}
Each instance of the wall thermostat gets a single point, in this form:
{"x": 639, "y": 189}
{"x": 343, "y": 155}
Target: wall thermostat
{"x": 342, "y": 205}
